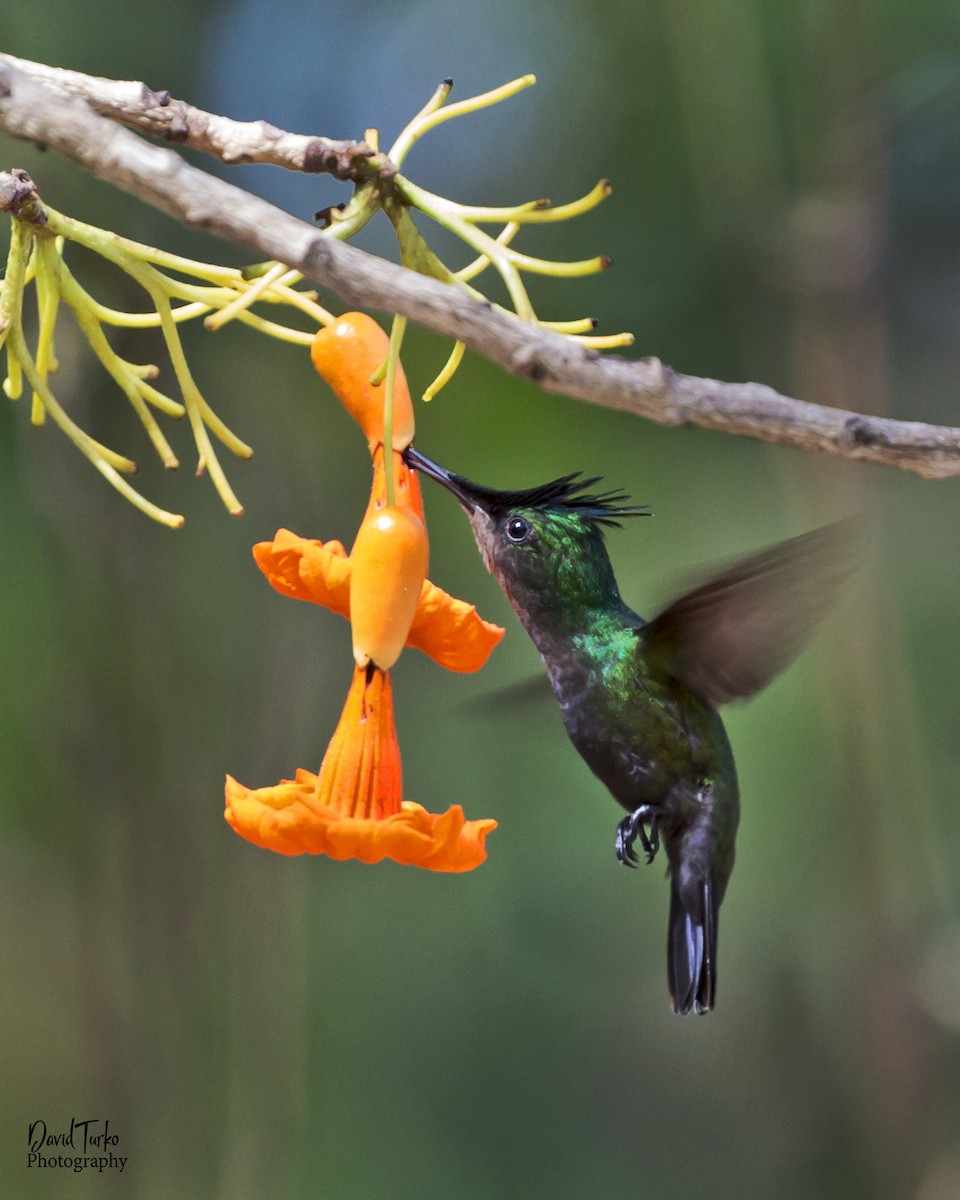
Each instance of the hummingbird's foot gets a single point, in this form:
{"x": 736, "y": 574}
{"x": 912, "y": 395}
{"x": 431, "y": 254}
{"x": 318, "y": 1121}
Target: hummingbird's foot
{"x": 631, "y": 828}
{"x": 651, "y": 844}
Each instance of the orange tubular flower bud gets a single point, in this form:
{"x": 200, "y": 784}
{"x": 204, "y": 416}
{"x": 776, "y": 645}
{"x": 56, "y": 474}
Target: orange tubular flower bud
{"x": 389, "y": 565}
{"x": 346, "y": 354}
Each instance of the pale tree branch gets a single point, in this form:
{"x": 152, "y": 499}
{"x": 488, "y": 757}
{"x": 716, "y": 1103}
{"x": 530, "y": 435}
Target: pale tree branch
{"x": 157, "y": 113}
{"x": 36, "y": 105}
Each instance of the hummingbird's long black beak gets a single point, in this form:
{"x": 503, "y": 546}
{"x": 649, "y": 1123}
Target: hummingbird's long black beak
{"x": 460, "y": 487}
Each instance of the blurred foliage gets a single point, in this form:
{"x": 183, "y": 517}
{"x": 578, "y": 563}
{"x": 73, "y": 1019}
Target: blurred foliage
{"x": 787, "y": 195}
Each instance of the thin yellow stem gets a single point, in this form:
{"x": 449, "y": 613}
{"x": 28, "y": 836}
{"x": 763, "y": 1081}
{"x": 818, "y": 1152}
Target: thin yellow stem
{"x": 13, "y": 384}
{"x": 448, "y": 372}
{"x": 584, "y": 325}
{"x": 48, "y": 302}
{"x": 14, "y": 280}
{"x": 148, "y": 320}
{"x": 226, "y": 285}
{"x": 363, "y": 205}
{"x": 164, "y": 403}
{"x": 160, "y": 288}
{"x": 480, "y": 264}
{"x": 282, "y": 333}
{"x": 560, "y": 270}
{"x": 218, "y": 275}
{"x": 418, "y": 127}
{"x": 211, "y": 298}
{"x": 305, "y": 301}
{"x": 544, "y": 214}
{"x": 176, "y": 289}
{"x": 116, "y": 368}
{"x": 410, "y": 133}
{"x": 437, "y": 208}
{"x": 195, "y": 410}
{"x": 141, "y": 370}
{"x": 84, "y": 303}
{"x": 607, "y": 341}
{"x": 486, "y": 214}
{"x": 253, "y": 291}
{"x": 88, "y": 447}
{"x": 397, "y": 330}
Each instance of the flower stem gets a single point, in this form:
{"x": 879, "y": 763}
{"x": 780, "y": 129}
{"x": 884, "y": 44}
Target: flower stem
{"x": 432, "y": 114}
{"x": 397, "y": 331}
{"x": 412, "y": 131}
{"x": 106, "y": 462}
{"x": 364, "y": 204}
{"x": 480, "y": 264}
{"x": 448, "y": 372}
{"x": 48, "y": 302}
{"x": 11, "y": 290}
{"x": 129, "y": 383}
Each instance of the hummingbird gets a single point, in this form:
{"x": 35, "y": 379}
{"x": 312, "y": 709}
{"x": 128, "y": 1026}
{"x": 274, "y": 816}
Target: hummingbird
{"x": 639, "y": 698}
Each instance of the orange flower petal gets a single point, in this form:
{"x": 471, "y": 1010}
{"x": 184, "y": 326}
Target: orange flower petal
{"x": 450, "y": 631}
{"x": 307, "y": 569}
{"x": 289, "y": 819}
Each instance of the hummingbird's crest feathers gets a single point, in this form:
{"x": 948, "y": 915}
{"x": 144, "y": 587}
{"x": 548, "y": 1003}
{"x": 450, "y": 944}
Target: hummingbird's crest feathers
{"x": 727, "y": 638}
{"x": 570, "y": 492}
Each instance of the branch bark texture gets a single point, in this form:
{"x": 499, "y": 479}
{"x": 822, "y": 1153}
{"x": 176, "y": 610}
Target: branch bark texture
{"x": 78, "y": 116}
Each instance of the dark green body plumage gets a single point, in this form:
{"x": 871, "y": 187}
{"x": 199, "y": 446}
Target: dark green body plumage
{"x": 639, "y": 701}
{"x": 641, "y": 731}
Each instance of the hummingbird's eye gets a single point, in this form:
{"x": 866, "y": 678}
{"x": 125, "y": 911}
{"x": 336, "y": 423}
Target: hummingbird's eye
{"x": 517, "y": 529}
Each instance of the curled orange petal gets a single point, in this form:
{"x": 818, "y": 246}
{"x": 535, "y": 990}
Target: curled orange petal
{"x": 288, "y": 819}
{"x": 353, "y": 808}
{"x": 346, "y": 354}
{"x": 307, "y": 569}
{"x": 450, "y": 631}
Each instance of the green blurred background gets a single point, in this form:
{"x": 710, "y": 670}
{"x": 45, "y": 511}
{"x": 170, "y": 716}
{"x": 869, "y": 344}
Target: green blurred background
{"x": 787, "y": 198}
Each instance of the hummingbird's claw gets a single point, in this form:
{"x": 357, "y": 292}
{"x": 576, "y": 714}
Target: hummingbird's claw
{"x": 652, "y": 844}
{"x": 631, "y": 828}
{"x": 626, "y": 855}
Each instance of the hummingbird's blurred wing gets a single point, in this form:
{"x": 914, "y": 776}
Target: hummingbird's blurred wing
{"x": 728, "y": 637}
{"x": 511, "y": 698}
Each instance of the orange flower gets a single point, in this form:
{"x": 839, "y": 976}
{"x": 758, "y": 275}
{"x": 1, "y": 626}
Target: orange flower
{"x": 353, "y": 808}
{"x": 450, "y": 631}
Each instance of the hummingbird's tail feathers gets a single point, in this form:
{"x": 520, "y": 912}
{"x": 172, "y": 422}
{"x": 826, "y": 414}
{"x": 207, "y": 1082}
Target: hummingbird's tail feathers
{"x": 692, "y": 951}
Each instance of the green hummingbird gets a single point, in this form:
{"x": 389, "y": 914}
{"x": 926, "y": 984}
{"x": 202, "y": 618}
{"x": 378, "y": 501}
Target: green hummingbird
{"x": 639, "y": 699}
